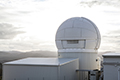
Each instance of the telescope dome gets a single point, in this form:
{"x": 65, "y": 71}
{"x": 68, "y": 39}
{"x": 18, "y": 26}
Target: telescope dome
{"x": 78, "y": 33}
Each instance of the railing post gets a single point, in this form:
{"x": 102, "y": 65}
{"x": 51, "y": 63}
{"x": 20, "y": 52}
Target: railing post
{"x": 118, "y": 73}
{"x": 64, "y": 77}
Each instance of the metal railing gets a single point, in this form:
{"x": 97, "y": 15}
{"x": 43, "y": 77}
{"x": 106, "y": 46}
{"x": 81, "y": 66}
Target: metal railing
{"x": 84, "y": 74}
{"x": 88, "y": 74}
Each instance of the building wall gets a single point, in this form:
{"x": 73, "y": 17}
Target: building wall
{"x": 111, "y": 72}
{"x": 111, "y": 67}
{"x": 112, "y": 59}
{"x": 87, "y": 60}
{"x": 19, "y": 72}
{"x": 68, "y": 71}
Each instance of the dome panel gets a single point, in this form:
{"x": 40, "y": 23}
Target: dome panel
{"x": 78, "y": 23}
{"x": 68, "y": 23}
{"x": 59, "y": 45}
{"x": 60, "y": 34}
{"x": 85, "y": 26}
{"x": 87, "y": 34}
{"x": 72, "y": 33}
{"x": 90, "y": 44}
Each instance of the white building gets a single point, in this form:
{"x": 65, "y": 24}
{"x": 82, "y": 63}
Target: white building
{"x": 80, "y": 38}
{"x": 41, "y": 69}
{"x": 77, "y": 38}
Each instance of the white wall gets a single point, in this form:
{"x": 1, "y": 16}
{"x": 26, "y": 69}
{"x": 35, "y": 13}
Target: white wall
{"x": 68, "y": 71}
{"x": 36, "y": 72}
{"x": 19, "y": 72}
{"x": 111, "y": 68}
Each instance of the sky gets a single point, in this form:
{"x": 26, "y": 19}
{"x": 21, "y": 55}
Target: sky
{"x": 31, "y": 25}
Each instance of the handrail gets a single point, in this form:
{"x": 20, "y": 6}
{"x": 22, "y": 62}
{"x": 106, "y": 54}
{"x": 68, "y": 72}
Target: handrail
{"x": 119, "y": 73}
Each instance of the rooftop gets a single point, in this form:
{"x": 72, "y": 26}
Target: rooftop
{"x": 41, "y": 61}
{"x": 111, "y": 54}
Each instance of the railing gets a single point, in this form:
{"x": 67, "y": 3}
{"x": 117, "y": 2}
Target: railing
{"x": 29, "y": 79}
{"x": 84, "y": 74}
{"x": 88, "y": 74}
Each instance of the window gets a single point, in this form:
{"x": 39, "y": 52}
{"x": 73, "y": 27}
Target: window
{"x": 72, "y": 41}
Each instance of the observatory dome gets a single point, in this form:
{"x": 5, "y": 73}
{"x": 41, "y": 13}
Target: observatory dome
{"x": 78, "y": 33}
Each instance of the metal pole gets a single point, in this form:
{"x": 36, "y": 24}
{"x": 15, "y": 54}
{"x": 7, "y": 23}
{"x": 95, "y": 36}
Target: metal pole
{"x": 64, "y": 77}
{"x": 118, "y": 73}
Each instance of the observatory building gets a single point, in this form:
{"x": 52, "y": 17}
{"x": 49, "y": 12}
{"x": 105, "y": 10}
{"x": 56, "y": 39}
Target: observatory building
{"x": 78, "y": 40}
{"x": 79, "y": 37}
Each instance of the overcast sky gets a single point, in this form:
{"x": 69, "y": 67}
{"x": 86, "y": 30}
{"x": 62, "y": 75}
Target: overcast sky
{"x": 30, "y": 25}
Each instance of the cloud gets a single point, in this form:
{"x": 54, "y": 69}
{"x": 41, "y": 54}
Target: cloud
{"x": 100, "y": 2}
{"x": 8, "y": 31}
{"x": 39, "y": 0}
{"x": 41, "y": 18}
{"x": 17, "y": 10}
{"x": 12, "y": 45}
{"x": 111, "y": 41}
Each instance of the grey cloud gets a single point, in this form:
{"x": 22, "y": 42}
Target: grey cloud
{"x": 113, "y": 34}
{"x": 8, "y": 31}
{"x": 24, "y": 12}
{"x": 101, "y": 2}
{"x": 7, "y": 12}
{"x": 39, "y": 0}
{"x": 112, "y": 37}
{"x": 8, "y": 45}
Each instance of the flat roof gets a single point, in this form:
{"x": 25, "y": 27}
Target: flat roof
{"x": 41, "y": 61}
{"x": 111, "y": 54}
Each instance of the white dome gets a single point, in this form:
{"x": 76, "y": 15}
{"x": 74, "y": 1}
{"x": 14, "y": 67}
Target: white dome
{"x": 78, "y": 33}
